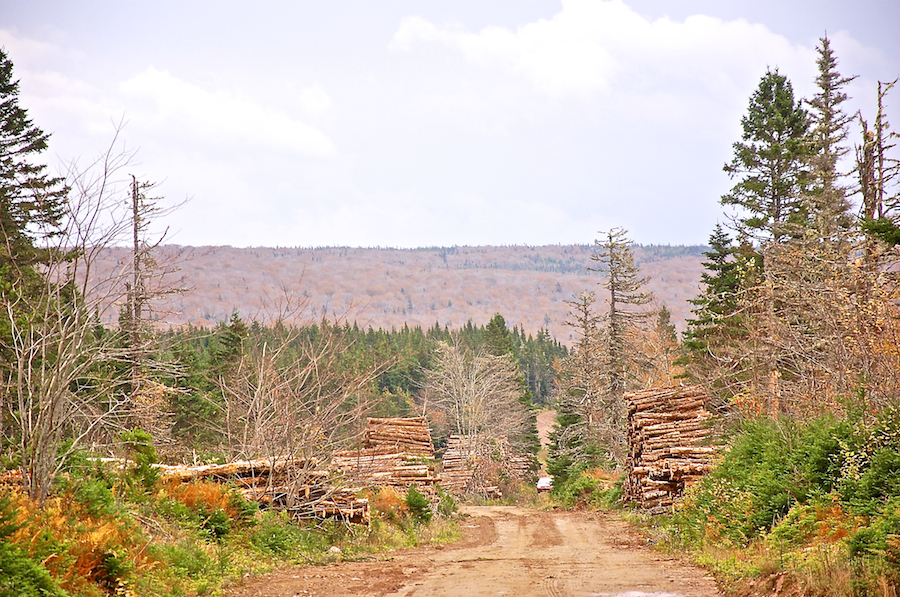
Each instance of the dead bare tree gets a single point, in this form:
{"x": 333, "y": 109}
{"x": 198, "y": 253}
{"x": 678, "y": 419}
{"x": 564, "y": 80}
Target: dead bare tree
{"x": 479, "y": 392}
{"x": 148, "y": 283}
{"x": 61, "y": 379}
{"x": 292, "y": 398}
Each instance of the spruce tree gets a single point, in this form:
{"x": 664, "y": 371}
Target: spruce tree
{"x": 623, "y": 284}
{"x": 30, "y": 200}
{"x": 499, "y": 342}
{"x": 828, "y": 205}
{"x": 31, "y": 205}
{"x": 575, "y": 444}
{"x": 497, "y": 338}
{"x": 770, "y": 162}
{"x": 717, "y": 330}
{"x": 721, "y": 283}
{"x": 621, "y": 355}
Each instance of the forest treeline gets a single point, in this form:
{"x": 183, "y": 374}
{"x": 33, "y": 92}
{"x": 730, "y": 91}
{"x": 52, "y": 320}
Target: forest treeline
{"x": 400, "y": 360}
{"x": 386, "y": 288}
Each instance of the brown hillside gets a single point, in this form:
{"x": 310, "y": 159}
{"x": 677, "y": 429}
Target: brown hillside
{"x": 418, "y": 287}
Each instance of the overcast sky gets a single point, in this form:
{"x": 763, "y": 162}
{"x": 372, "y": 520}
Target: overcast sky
{"x": 407, "y": 124}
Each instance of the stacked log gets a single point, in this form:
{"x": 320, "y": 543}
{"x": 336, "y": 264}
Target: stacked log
{"x": 668, "y": 436}
{"x": 379, "y": 467}
{"x": 458, "y": 474}
{"x": 410, "y": 435}
{"x": 475, "y": 465}
{"x": 396, "y": 452}
{"x": 294, "y": 485}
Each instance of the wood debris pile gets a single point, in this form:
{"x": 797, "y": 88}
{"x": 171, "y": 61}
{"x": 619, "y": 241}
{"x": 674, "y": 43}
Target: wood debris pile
{"x": 476, "y": 464}
{"x": 396, "y": 452}
{"x": 295, "y": 485}
{"x": 667, "y": 432}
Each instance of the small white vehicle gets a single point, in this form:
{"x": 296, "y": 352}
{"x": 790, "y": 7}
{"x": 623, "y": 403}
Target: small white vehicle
{"x": 544, "y": 484}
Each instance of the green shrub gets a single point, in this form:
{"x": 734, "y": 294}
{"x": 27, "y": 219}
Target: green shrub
{"x": 419, "y": 505}
{"x": 446, "y": 506}
{"x": 216, "y": 523}
{"x": 139, "y": 449}
{"x": 246, "y": 509}
{"x": 612, "y": 497}
{"x": 20, "y": 576}
{"x": 186, "y": 558}
{"x": 582, "y": 490}
{"x": 792, "y": 485}
{"x": 95, "y": 495}
{"x": 771, "y": 466}
{"x": 276, "y": 535}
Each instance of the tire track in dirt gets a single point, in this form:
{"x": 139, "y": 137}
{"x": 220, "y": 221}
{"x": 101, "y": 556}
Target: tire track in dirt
{"x": 505, "y": 551}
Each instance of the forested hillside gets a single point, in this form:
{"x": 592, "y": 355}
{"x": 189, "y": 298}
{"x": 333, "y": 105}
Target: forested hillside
{"x": 385, "y": 288}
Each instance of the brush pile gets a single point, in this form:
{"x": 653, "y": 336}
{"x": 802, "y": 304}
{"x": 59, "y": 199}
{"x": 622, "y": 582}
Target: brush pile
{"x": 295, "y": 485}
{"x": 668, "y": 436}
{"x": 475, "y": 465}
{"x": 396, "y": 452}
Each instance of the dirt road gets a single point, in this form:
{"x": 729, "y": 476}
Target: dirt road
{"x": 505, "y": 551}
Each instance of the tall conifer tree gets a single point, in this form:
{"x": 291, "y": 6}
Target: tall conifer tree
{"x": 770, "y": 162}
{"x": 30, "y": 199}
{"x": 828, "y": 205}
{"x": 621, "y": 355}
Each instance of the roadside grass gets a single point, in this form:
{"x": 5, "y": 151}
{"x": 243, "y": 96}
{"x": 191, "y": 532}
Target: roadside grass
{"x": 106, "y": 532}
{"x": 597, "y": 488}
{"x": 796, "y": 507}
{"x": 813, "y": 506}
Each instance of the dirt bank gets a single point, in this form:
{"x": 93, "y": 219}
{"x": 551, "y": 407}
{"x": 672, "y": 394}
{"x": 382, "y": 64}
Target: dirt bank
{"x": 505, "y": 551}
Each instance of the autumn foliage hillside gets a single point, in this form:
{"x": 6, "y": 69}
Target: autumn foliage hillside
{"x": 418, "y": 287}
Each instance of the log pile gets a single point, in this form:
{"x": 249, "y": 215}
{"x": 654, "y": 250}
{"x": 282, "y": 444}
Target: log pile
{"x": 476, "y": 464}
{"x": 410, "y": 435}
{"x": 396, "y": 452}
{"x": 668, "y": 433}
{"x": 458, "y": 474}
{"x": 297, "y": 486}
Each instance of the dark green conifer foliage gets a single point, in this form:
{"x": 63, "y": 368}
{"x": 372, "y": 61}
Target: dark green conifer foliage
{"x": 497, "y": 339}
{"x": 718, "y": 325}
{"x": 31, "y": 205}
{"x": 721, "y": 283}
{"x": 30, "y": 199}
{"x": 770, "y": 162}
{"x": 829, "y": 207}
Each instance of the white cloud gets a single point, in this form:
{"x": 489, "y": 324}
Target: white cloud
{"x": 25, "y": 49}
{"x": 592, "y": 47}
{"x": 314, "y": 100}
{"x": 220, "y": 115}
